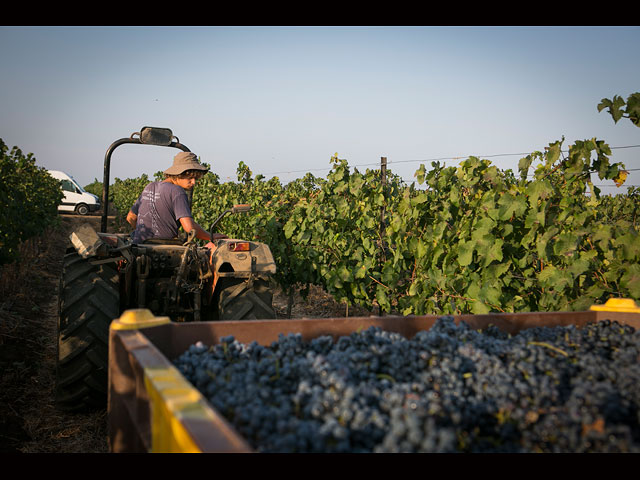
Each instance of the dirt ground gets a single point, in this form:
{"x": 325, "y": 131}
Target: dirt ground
{"x": 29, "y": 421}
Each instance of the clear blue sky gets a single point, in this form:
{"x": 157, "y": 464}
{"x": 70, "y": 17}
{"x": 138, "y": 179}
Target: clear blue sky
{"x": 285, "y": 99}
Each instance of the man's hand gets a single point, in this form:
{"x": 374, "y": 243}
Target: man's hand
{"x": 216, "y": 236}
{"x": 132, "y": 218}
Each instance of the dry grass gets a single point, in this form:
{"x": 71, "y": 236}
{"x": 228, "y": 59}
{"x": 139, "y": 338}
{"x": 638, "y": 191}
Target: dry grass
{"x": 317, "y": 304}
{"x": 29, "y": 421}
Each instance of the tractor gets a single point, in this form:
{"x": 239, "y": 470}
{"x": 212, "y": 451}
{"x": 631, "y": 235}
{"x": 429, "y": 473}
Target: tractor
{"x": 105, "y": 274}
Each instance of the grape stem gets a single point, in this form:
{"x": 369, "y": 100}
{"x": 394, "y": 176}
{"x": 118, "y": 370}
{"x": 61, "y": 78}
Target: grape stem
{"x": 544, "y": 344}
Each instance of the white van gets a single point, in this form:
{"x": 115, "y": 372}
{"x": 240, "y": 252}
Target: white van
{"x": 76, "y": 199}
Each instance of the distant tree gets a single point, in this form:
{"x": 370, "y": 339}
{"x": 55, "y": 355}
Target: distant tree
{"x": 95, "y": 187}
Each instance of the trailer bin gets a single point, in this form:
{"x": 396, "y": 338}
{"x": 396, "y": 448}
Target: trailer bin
{"x": 153, "y": 408}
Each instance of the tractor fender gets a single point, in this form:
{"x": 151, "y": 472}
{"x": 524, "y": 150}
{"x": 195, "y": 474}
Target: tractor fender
{"x": 225, "y": 261}
{"x": 90, "y": 244}
{"x": 86, "y": 241}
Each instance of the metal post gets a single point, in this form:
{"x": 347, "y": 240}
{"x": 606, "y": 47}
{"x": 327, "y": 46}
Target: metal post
{"x": 383, "y": 179}
{"x": 383, "y": 169}
{"x": 383, "y": 175}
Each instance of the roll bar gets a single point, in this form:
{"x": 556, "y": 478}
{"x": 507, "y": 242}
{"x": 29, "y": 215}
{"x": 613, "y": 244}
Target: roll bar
{"x": 147, "y": 136}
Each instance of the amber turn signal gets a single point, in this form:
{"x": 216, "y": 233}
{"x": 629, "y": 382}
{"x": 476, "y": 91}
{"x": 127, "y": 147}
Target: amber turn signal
{"x": 239, "y": 246}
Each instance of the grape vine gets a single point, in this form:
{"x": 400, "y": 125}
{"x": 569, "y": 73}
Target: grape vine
{"x": 470, "y": 238}
{"x": 29, "y": 199}
{"x": 465, "y": 239}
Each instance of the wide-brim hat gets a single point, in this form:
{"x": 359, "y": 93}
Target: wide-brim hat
{"x": 184, "y": 161}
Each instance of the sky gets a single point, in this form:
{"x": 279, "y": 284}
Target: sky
{"x": 284, "y": 100}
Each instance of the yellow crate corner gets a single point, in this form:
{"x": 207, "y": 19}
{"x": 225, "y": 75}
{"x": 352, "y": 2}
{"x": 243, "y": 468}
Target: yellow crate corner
{"x": 617, "y": 305}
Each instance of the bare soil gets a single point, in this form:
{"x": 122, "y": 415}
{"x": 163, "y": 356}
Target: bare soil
{"x": 29, "y": 421}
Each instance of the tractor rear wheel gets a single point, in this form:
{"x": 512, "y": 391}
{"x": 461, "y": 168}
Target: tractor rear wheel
{"x": 89, "y": 300}
{"x": 246, "y": 300}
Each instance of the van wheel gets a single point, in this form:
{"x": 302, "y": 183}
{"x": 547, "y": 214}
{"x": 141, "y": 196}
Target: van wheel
{"x": 82, "y": 209}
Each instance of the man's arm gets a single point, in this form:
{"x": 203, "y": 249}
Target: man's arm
{"x": 188, "y": 223}
{"x": 132, "y": 218}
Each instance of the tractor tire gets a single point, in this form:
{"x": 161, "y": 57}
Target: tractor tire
{"x": 89, "y": 299}
{"x": 246, "y": 300}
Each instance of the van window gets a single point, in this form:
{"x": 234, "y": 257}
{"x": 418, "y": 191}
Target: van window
{"x": 68, "y": 186}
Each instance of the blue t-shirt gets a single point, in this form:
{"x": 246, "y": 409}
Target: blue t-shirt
{"x": 159, "y": 208}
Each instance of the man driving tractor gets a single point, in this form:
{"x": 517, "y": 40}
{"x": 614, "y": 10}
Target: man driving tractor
{"x": 163, "y": 206}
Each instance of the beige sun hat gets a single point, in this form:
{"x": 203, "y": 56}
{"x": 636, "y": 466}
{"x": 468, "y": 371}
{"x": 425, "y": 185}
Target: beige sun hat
{"x": 184, "y": 161}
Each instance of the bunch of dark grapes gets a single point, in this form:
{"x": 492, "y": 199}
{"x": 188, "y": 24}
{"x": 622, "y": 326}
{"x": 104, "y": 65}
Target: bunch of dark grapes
{"x": 447, "y": 389}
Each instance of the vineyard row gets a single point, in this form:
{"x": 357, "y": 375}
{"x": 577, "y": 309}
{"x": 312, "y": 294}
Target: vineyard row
{"x": 465, "y": 239}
